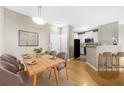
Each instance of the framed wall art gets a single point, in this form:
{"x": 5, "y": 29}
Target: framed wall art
{"x": 27, "y": 38}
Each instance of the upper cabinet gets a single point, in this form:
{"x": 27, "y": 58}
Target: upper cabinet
{"x": 107, "y": 32}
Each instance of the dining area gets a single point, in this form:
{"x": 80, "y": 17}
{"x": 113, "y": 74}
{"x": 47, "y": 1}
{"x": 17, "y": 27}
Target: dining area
{"x": 17, "y": 73}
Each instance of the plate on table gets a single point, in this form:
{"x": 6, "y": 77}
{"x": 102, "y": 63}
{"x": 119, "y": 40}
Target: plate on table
{"x": 26, "y": 57}
{"x": 31, "y": 62}
{"x": 52, "y": 57}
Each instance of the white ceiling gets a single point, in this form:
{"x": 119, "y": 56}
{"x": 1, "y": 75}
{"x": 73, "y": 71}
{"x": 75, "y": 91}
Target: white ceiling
{"x": 77, "y": 16}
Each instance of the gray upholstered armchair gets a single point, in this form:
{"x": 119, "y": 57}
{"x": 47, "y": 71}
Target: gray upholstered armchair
{"x": 61, "y": 55}
{"x": 53, "y": 53}
{"x": 47, "y": 52}
{"x": 12, "y": 60}
{"x": 9, "y": 77}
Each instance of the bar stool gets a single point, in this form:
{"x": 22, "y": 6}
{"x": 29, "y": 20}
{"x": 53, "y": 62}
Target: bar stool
{"x": 120, "y": 54}
{"x": 115, "y": 61}
{"x": 100, "y": 62}
{"x": 107, "y": 59}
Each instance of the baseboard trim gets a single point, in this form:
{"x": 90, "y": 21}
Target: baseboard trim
{"x": 92, "y": 66}
{"x": 70, "y": 59}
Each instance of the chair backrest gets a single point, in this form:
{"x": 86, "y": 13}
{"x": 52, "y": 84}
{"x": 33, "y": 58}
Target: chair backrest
{"x": 8, "y": 66}
{"x": 46, "y": 52}
{"x": 53, "y": 53}
{"x": 6, "y": 58}
{"x": 62, "y": 55}
{"x": 11, "y": 56}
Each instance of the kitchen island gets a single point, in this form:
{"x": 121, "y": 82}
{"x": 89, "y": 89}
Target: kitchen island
{"x": 93, "y": 52}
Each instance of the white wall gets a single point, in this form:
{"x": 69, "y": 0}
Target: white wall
{"x": 121, "y": 36}
{"x": 55, "y": 39}
{"x": 71, "y": 41}
{"x": 1, "y": 29}
{"x": 59, "y": 39}
{"x": 14, "y": 22}
{"x": 64, "y": 38}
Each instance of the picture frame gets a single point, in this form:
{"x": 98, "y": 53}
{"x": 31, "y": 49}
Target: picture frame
{"x": 27, "y": 38}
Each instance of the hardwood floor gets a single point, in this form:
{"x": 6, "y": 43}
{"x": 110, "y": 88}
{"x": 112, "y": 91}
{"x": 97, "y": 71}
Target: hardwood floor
{"x": 81, "y": 74}
{"x": 84, "y": 75}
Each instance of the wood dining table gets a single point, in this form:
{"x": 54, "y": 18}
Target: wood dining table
{"x": 41, "y": 63}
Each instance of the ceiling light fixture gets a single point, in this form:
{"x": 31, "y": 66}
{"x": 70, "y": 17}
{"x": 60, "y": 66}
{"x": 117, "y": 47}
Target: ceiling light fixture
{"x": 59, "y": 25}
{"x": 38, "y": 19}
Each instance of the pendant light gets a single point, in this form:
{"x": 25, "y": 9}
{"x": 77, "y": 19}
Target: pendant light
{"x": 38, "y": 19}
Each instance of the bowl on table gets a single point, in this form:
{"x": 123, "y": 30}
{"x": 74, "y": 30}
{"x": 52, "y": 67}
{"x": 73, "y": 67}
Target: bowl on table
{"x": 52, "y": 57}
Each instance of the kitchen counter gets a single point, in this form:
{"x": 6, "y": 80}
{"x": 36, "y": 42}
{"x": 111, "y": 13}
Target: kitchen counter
{"x": 94, "y": 46}
{"x": 89, "y": 44}
{"x": 108, "y": 48}
{"x": 91, "y": 56}
{"x": 93, "y": 52}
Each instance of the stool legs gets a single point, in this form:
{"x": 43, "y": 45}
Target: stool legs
{"x": 108, "y": 61}
{"x": 99, "y": 59}
{"x": 100, "y": 62}
{"x": 116, "y": 61}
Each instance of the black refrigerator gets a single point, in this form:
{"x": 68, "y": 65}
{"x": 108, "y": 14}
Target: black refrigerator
{"x": 76, "y": 48}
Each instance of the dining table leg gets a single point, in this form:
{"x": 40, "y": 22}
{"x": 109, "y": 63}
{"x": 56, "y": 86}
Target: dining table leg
{"x": 34, "y": 80}
{"x": 56, "y": 75}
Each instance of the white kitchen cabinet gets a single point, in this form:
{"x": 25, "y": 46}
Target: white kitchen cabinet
{"x": 108, "y": 31}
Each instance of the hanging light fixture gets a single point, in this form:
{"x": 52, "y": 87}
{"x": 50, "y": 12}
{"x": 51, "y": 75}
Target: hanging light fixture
{"x": 38, "y": 19}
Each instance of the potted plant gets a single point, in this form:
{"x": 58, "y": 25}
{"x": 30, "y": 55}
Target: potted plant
{"x": 38, "y": 51}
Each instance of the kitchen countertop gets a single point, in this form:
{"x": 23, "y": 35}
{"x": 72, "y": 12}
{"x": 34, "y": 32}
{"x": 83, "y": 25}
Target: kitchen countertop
{"x": 93, "y": 52}
{"x": 92, "y": 46}
{"x": 89, "y": 45}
